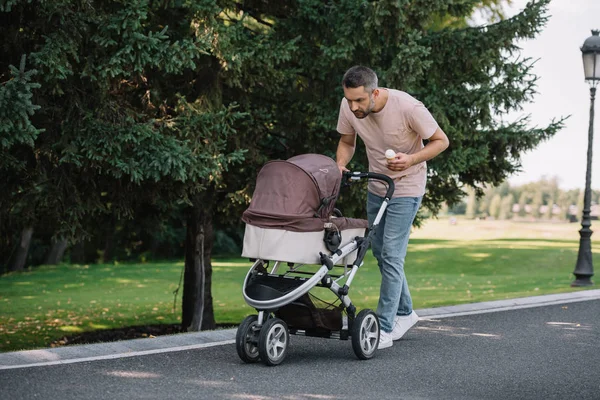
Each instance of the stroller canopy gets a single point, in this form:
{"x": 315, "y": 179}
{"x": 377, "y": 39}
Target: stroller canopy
{"x": 297, "y": 195}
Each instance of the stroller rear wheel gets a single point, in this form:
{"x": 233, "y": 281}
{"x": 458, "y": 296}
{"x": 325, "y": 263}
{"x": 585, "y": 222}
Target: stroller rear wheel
{"x": 365, "y": 334}
{"x": 246, "y": 339}
{"x": 273, "y": 341}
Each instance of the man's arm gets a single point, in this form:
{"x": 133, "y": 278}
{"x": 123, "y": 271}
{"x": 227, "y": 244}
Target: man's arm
{"x": 345, "y": 151}
{"x": 438, "y": 142}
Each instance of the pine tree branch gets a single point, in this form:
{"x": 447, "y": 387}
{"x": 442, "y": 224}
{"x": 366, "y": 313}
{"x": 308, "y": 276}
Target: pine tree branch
{"x": 253, "y": 14}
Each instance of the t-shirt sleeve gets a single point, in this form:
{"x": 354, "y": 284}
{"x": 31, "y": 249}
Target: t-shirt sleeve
{"x": 344, "y": 126}
{"x": 422, "y": 122}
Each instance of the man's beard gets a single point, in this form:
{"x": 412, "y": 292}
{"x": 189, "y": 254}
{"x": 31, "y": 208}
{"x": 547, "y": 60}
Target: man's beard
{"x": 363, "y": 114}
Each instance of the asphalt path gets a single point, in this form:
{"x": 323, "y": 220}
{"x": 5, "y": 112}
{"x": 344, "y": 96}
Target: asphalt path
{"x": 550, "y": 352}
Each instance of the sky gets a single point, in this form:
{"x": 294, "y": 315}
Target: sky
{"x": 562, "y": 91}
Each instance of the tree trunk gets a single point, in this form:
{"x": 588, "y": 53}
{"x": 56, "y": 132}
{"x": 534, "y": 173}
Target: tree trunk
{"x": 57, "y": 251}
{"x": 23, "y": 250}
{"x": 197, "y": 303}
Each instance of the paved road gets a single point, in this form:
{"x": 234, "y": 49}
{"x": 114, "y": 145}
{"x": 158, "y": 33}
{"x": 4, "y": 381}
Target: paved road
{"x": 550, "y": 352}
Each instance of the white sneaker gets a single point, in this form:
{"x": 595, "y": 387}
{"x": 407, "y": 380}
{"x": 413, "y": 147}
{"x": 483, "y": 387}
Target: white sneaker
{"x": 402, "y": 323}
{"x": 385, "y": 340}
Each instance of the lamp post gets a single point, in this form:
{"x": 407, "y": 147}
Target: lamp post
{"x": 584, "y": 268}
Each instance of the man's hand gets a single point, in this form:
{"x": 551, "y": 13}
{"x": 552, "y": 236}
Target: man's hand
{"x": 401, "y": 162}
{"x": 438, "y": 142}
{"x": 343, "y": 169}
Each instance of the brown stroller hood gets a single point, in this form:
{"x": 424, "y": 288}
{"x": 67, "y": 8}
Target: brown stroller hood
{"x": 298, "y": 195}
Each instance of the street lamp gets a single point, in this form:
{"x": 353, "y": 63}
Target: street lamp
{"x": 591, "y": 68}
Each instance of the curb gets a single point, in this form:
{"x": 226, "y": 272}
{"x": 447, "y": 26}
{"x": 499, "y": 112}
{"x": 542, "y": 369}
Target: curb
{"x": 197, "y": 340}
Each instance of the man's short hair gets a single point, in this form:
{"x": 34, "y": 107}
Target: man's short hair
{"x": 358, "y": 76}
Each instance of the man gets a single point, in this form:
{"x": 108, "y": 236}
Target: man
{"x": 389, "y": 119}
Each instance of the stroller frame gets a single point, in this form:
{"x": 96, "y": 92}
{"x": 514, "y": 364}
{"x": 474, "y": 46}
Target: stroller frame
{"x": 266, "y": 337}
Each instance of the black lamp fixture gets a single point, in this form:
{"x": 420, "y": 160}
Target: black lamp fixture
{"x": 584, "y": 269}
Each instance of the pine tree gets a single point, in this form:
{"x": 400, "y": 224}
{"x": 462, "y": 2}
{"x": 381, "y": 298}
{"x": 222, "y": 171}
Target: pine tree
{"x": 17, "y": 135}
{"x": 133, "y": 117}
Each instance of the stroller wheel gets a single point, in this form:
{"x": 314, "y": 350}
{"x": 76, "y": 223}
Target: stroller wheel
{"x": 246, "y": 339}
{"x": 365, "y": 334}
{"x": 273, "y": 341}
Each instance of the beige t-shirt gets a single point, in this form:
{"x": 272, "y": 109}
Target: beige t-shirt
{"x": 401, "y": 125}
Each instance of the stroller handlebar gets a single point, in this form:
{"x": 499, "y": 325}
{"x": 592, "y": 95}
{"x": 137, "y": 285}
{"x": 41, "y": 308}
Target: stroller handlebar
{"x": 356, "y": 176}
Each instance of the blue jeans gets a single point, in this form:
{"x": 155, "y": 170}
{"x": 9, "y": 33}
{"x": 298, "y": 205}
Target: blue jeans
{"x": 389, "y": 245}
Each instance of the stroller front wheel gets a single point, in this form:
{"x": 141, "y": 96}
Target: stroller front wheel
{"x": 365, "y": 334}
{"x": 273, "y": 341}
{"x": 246, "y": 339}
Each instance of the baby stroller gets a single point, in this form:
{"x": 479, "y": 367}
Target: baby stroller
{"x": 298, "y": 240}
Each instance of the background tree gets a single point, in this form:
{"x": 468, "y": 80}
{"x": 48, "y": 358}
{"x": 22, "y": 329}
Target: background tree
{"x": 506, "y": 207}
{"x": 563, "y": 203}
{"x": 579, "y": 204}
{"x": 536, "y": 204}
{"x": 483, "y": 205}
{"x": 522, "y": 202}
{"x": 494, "y": 207}
{"x": 566, "y": 200}
{"x": 471, "y": 210}
{"x": 549, "y": 208}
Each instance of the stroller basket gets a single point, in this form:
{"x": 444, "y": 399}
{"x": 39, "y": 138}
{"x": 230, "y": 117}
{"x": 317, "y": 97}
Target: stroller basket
{"x": 266, "y": 287}
{"x": 303, "y": 314}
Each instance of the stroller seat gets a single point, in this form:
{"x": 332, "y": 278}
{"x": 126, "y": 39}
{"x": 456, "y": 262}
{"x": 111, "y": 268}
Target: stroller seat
{"x": 297, "y": 247}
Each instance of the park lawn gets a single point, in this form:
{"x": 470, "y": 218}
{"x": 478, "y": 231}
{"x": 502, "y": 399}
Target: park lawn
{"x": 470, "y": 261}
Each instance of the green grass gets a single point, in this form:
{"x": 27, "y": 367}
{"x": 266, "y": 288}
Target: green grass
{"x": 447, "y": 264}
